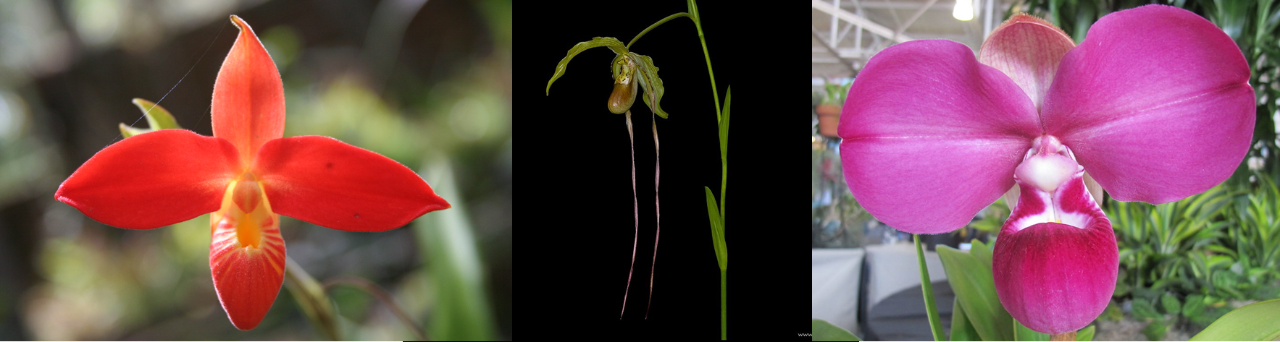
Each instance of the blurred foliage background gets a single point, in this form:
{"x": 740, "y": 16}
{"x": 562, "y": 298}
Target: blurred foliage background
{"x": 425, "y": 83}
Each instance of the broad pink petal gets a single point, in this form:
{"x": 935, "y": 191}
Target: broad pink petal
{"x": 248, "y": 97}
{"x": 931, "y": 136}
{"x": 1028, "y": 50}
{"x": 335, "y": 185}
{"x": 1056, "y": 277}
{"x": 152, "y": 180}
{"x": 1155, "y": 103}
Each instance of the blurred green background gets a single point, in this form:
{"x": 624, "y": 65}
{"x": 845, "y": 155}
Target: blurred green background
{"x": 425, "y": 83}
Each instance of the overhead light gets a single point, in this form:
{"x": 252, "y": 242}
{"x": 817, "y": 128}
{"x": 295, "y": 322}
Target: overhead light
{"x": 964, "y": 10}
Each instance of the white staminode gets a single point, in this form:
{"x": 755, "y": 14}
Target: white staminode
{"x": 1046, "y": 165}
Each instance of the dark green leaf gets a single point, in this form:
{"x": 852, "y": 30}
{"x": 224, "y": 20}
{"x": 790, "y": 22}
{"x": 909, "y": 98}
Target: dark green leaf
{"x": 1143, "y": 308}
{"x": 1194, "y": 306}
{"x": 1171, "y": 304}
{"x": 609, "y": 42}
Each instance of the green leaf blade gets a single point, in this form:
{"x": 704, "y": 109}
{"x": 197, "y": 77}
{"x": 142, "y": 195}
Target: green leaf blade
{"x": 609, "y": 42}
{"x": 157, "y": 116}
{"x": 961, "y": 328}
{"x": 825, "y": 331}
{"x": 975, "y": 288}
{"x": 717, "y": 231}
{"x": 1253, "y": 322}
{"x": 1024, "y": 333}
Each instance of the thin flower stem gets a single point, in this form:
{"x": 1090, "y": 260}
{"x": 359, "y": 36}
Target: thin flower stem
{"x": 310, "y": 297}
{"x": 660, "y": 22}
{"x": 656, "y": 170}
{"x": 636, "y": 204}
{"x": 927, "y": 287}
{"x": 381, "y": 295}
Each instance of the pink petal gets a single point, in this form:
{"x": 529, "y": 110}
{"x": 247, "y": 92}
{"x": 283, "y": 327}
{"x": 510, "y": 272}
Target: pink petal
{"x": 1028, "y": 50}
{"x": 1155, "y": 103}
{"x": 1055, "y": 277}
{"x": 931, "y": 136}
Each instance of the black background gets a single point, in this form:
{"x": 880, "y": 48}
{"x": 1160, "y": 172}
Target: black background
{"x": 583, "y": 217}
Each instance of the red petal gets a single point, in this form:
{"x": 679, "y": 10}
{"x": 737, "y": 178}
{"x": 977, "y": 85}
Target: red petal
{"x": 248, "y": 98}
{"x": 332, "y": 184}
{"x": 152, "y": 180}
{"x": 247, "y": 255}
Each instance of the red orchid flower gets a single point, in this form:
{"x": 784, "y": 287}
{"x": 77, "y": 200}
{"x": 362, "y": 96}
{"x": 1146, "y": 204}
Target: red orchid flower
{"x": 246, "y": 175}
{"x": 1155, "y": 105}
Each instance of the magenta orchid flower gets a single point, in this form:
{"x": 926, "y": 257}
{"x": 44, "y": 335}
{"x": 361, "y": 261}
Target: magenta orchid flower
{"x": 246, "y": 175}
{"x": 1155, "y": 105}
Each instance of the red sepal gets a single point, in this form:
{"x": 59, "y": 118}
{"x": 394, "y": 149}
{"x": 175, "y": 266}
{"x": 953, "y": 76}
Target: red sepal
{"x": 248, "y": 97}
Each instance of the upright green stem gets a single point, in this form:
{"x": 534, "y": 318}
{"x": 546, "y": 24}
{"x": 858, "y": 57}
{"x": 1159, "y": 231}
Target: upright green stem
{"x": 929, "y": 306}
{"x": 723, "y": 330}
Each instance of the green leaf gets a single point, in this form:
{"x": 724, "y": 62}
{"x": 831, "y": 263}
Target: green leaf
{"x": 1156, "y": 330}
{"x": 157, "y": 118}
{"x": 650, "y": 82}
{"x": 1024, "y": 333}
{"x": 1171, "y": 304}
{"x": 926, "y": 286}
{"x": 1143, "y": 308}
{"x": 982, "y": 252}
{"x": 1085, "y": 334}
{"x": 724, "y": 125}
{"x": 127, "y": 131}
{"x": 609, "y": 42}
{"x": 976, "y": 290}
{"x": 961, "y": 328}
{"x": 717, "y": 231}
{"x": 1253, "y": 322}
{"x": 825, "y": 331}
{"x": 461, "y": 309}
{"x": 1194, "y": 306}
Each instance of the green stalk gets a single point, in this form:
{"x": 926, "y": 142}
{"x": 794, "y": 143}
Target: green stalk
{"x": 723, "y": 330}
{"x": 929, "y": 306}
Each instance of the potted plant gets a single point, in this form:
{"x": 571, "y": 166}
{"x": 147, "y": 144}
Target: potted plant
{"x": 829, "y": 110}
